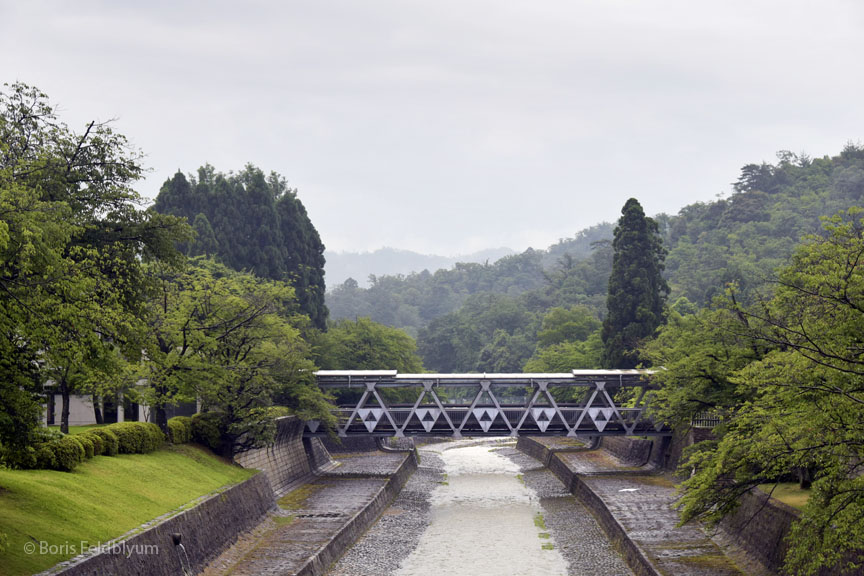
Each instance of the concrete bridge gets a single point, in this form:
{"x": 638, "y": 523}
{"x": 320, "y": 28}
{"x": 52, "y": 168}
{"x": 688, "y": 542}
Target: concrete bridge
{"x": 577, "y": 403}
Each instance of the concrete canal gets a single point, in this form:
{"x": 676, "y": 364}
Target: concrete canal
{"x": 482, "y": 508}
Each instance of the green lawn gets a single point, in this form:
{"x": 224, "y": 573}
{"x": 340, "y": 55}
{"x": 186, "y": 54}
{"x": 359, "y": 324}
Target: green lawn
{"x": 788, "y": 493}
{"x": 102, "y": 499}
{"x": 76, "y": 429}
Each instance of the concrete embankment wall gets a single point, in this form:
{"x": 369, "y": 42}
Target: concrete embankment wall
{"x": 632, "y": 554}
{"x": 290, "y": 459}
{"x": 205, "y": 530}
{"x": 214, "y": 523}
{"x": 360, "y": 522}
{"x": 760, "y": 525}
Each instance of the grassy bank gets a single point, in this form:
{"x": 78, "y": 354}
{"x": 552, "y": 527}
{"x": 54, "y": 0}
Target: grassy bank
{"x": 102, "y": 499}
{"x": 788, "y": 493}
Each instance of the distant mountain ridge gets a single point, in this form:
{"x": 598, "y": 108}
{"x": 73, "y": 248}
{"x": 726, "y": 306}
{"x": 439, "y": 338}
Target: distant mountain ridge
{"x": 391, "y": 262}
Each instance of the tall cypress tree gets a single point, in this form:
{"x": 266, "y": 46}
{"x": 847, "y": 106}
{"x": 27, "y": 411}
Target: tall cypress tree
{"x": 637, "y": 291}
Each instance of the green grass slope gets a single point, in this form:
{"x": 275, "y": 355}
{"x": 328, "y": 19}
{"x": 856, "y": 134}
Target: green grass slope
{"x": 46, "y": 515}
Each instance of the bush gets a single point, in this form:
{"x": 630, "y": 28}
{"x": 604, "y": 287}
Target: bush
{"x": 96, "y": 440}
{"x": 137, "y": 437}
{"x": 180, "y": 429}
{"x": 43, "y": 458}
{"x": 207, "y": 430}
{"x": 111, "y": 444}
{"x": 87, "y": 444}
{"x": 60, "y": 454}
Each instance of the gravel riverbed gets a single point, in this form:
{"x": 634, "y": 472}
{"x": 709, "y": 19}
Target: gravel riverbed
{"x": 395, "y": 535}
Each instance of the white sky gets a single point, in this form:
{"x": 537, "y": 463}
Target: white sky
{"x": 447, "y": 126}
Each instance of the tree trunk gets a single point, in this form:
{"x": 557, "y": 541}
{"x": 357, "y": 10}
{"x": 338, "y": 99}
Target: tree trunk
{"x": 97, "y": 409}
{"x": 160, "y": 418}
{"x": 64, "y": 413}
{"x": 805, "y": 479}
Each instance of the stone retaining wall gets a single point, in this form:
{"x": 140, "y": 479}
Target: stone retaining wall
{"x": 616, "y": 533}
{"x": 319, "y": 457}
{"x": 760, "y": 526}
{"x": 285, "y": 461}
{"x": 205, "y": 530}
{"x": 634, "y": 451}
{"x": 356, "y": 526}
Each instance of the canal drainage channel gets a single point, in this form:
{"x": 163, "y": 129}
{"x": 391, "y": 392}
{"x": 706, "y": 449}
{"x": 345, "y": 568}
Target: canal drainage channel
{"x": 551, "y": 532}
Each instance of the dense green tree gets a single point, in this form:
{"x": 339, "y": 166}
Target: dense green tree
{"x": 701, "y": 352}
{"x": 72, "y": 242}
{"x": 569, "y": 339}
{"x": 366, "y": 345}
{"x": 637, "y": 291}
{"x": 205, "y": 243}
{"x": 254, "y": 222}
{"x": 231, "y": 340}
{"x": 800, "y": 405}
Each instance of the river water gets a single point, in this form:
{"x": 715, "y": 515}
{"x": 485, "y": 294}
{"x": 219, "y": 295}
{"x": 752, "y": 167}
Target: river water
{"x": 484, "y": 521}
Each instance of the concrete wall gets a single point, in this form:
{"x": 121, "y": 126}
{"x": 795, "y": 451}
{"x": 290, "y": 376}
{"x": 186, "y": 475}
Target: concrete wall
{"x": 760, "y": 526}
{"x": 361, "y": 522}
{"x": 634, "y": 557}
{"x": 205, "y": 531}
{"x": 285, "y": 462}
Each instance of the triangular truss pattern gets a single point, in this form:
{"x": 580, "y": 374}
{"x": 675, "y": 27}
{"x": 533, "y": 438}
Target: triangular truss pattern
{"x": 542, "y": 416}
{"x": 584, "y": 406}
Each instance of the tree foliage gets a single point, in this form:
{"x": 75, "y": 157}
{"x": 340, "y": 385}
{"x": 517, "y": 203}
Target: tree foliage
{"x": 253, "y": 222}
{"x": 366, "y": 345}
{"x": 231, "y": 340}
{"x": 637, "y": 290}
{"x": 800, "y": 401}
{"x": 72, "y": 240}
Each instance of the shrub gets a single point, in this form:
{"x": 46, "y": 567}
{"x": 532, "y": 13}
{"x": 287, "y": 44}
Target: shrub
{"x": 60, "y": 454}
{"x": 87, "y": 444}
{"x": 180, "y": 429}
{"x": 137, "y": 437}
{"x": 96, "y": 440}
{"x": 44, "y": 458}
{"x": 111, "y": 444}
{"x": 207, "y": 430}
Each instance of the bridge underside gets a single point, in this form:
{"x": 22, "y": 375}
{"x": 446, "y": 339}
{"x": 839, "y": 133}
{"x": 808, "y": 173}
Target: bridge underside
{"x": 578, "y": 403}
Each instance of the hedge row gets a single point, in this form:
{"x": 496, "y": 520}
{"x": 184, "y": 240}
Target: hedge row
{"x": 65, "y": 452}
{"x": 180, "y": 429}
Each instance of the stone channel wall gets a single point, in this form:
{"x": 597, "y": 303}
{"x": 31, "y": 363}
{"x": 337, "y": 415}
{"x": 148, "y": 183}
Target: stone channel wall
{"x": 616, "y": 533}
{"x": 290, "y": 459}
{"x": 204, "y": 531}
{"x": 362, "y": 521}
{"x": 760, "y": 526}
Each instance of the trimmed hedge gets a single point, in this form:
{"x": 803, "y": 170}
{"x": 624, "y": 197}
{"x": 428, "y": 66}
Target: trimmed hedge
{"x": 61, "y": 454}
{"x": 137, "y": 437}
{"x": 180, "y": 429}
{"x": 87, "y": 444}
{"x": 110, "y": 442}
{"x": 96, "y": 440}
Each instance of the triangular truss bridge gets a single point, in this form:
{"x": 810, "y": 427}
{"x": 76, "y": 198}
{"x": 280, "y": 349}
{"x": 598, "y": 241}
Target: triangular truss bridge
{"x": 577, "y": 403}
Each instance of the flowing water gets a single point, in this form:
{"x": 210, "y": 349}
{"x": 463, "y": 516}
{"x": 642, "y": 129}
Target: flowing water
{"x": 485, "y": 521}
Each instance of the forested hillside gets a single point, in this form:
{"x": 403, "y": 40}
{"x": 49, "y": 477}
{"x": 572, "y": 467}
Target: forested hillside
{"x": 254, "y": 222}
{"x": 487, "y": 317}
{"x": 391, "y": 261}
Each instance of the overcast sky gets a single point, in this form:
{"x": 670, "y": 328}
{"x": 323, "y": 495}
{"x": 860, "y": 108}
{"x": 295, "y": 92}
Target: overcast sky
{"x": 447, "y": 126}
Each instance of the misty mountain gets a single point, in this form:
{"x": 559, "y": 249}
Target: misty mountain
{"x": 391, "y": 262}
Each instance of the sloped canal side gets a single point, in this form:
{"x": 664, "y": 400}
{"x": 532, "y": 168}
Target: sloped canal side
{"x": 482, "y": 508}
